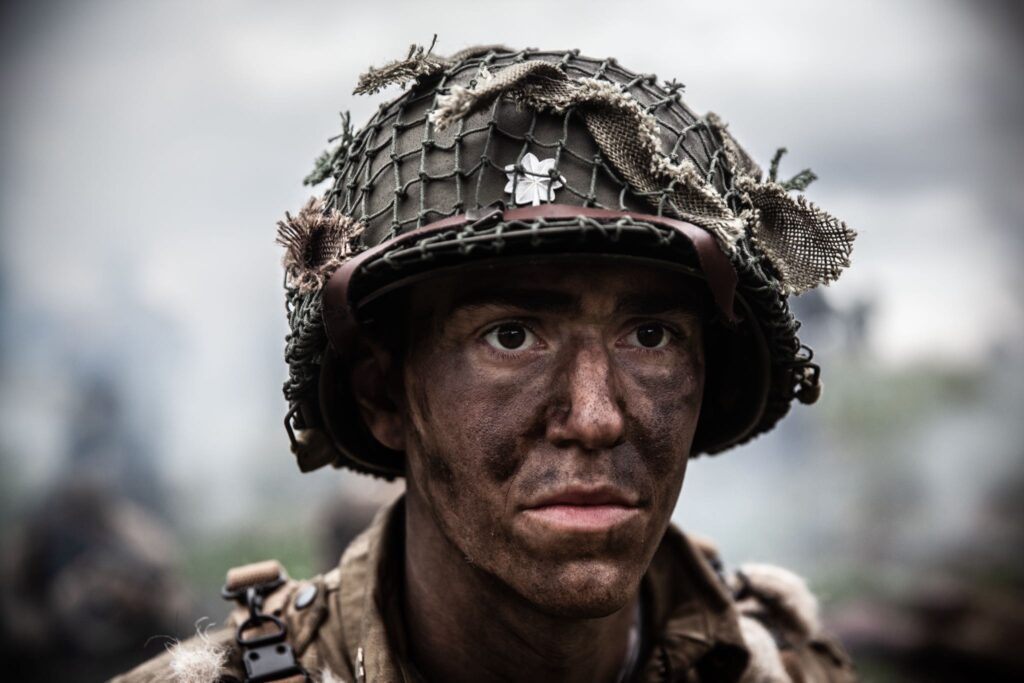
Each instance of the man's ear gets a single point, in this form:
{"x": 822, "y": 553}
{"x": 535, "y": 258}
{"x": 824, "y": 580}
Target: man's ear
{"x": 370, "y": 377}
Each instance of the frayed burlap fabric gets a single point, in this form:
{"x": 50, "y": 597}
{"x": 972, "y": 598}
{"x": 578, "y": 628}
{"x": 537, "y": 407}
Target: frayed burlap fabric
{"x": 626, "y": 134}
{"x": 316, "y": 241}
{"x": 418, "y": 63}
{"x": 807, "y": 246}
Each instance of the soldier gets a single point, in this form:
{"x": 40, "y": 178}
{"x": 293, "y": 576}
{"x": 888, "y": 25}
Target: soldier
{"x": 538, "y": 285}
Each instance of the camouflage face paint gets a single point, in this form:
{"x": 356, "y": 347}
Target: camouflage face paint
{"x": 554, "y": 465}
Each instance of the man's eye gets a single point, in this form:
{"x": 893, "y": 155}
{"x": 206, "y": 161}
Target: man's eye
{"x": 649, "y": 336}
{"x": 510, "y": 337}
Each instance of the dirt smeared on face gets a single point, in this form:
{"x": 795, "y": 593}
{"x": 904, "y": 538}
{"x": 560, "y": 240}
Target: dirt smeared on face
{"x": 596, "y": 398}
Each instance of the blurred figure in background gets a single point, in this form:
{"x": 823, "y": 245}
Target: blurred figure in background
{"x": 90, "y": 573}
{"x": 86, "y": 583}
{"x": 964, "y": 621}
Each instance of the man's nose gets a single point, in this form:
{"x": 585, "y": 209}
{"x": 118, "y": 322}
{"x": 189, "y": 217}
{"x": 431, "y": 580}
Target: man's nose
{"x": 588, "y": 413}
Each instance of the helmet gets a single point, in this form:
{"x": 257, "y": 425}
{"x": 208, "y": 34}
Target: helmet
{"x": 494, "y": 156}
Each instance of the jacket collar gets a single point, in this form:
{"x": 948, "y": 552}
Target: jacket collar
{"x": 693, "y": 621}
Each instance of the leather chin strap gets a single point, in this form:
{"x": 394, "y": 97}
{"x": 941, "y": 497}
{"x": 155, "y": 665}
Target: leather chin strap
{"x": 339, "y": 313}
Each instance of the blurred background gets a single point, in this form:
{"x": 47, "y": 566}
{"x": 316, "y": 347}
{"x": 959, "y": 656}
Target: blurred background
{"x": 148, "y": 148}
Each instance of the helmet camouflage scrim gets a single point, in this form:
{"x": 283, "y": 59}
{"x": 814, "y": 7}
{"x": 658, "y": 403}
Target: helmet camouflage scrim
{"x": 496, "y": 156}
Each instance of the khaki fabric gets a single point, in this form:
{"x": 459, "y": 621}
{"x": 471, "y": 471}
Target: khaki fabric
{"x": 354, "y": 623}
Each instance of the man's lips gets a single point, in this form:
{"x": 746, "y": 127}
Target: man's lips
{"x": 583, "y": 508}
{"x": 584, "y": 496}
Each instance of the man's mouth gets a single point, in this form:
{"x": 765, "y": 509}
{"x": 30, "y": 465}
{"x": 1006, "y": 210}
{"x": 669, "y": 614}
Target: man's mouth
{"x": 584, "y": 509}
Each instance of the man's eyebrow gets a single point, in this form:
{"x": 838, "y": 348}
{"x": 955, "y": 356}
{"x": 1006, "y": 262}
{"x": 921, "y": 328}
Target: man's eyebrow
{"x": 656, "y": 303}
{"x": 539, "y": 300}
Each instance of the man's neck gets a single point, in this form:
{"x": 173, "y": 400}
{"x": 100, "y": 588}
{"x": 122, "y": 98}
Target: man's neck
{"x": 464, "y": 625}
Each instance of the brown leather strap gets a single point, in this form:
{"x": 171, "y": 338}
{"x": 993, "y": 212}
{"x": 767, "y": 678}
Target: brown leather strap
{"x": 339, "y": 318}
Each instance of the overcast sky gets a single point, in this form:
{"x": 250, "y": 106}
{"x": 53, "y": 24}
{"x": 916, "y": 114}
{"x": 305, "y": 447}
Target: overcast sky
{"x": 148, "y": 149}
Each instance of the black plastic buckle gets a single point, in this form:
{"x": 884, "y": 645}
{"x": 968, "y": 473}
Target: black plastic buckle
{"x": 270, "y": 662}
{"x": 267, "y": 657}
{"x": 255, "y": 621}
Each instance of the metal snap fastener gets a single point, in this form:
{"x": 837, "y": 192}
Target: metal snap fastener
{"x": 306, "y": 596}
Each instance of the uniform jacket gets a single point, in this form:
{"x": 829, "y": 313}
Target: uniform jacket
{"x": 759, "y": 625}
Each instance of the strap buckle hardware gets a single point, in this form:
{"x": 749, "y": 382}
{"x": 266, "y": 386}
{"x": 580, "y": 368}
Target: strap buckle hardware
{"x": 266, "y": 656}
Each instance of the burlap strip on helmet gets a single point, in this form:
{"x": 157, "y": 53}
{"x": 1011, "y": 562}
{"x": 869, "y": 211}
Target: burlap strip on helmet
{"x": 624, "y": 132}
{"x": 807, "y": 246}
{"x": 418, "y": 63}
{"x": 316, "y": 241}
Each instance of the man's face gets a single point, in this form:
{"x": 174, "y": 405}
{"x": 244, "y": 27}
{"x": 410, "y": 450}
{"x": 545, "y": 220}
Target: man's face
{"x": 548, "y": 414}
